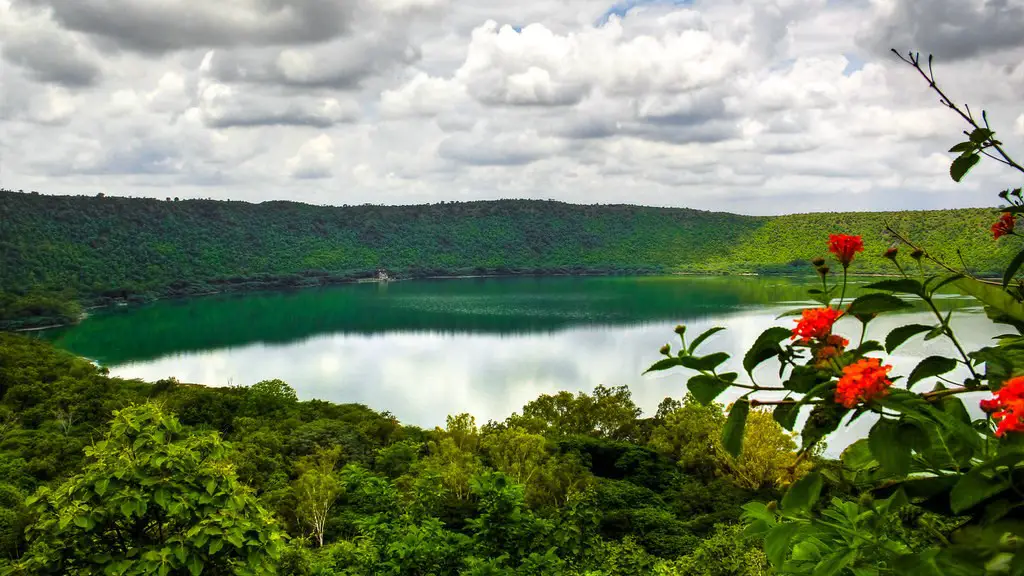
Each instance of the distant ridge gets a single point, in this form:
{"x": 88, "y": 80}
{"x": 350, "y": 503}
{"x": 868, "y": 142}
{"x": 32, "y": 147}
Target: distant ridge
{"x": 116, "y": 247}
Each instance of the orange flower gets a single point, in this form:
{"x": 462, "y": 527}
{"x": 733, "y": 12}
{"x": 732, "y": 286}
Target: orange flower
{"x": 863, "y": 381}
{"x": 815, "y": 323}
{"x": 1004, "y": 225}
{"x": 1007, "y": 406}
{"x": 844, "y": 247}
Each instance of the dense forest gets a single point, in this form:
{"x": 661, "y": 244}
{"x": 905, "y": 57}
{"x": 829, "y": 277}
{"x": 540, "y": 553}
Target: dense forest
{"x": 103, "y": 475}
{"x": 60, "y": 251}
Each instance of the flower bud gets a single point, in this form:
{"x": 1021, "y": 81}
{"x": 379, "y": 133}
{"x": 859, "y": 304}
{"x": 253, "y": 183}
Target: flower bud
{"x": 823, "y": 271}
{"x": 680, "y": 329}
{"x": 917, "y": 254}
{"x": 665, "y": 350}
{"x": 772, "y": 506}
{"x": 818, "y": 262}
{"x": 891, "y": 253}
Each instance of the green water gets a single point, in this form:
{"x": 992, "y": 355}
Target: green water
{"x": 426, "y": 349}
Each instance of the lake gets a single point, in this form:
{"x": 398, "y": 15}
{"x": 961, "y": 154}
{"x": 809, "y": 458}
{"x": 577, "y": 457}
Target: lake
{"x": 428, "y": 348}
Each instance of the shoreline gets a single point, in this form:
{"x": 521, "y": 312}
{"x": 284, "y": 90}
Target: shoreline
{"x": 373, "y": 280}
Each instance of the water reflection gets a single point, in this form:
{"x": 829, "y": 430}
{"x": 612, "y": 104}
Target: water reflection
{"x": 423, "y": 350}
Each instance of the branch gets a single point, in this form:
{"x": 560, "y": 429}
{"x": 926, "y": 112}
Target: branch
{"x": 915, "y": 61}
{"x": 942, "y": 264}
{"x": 940, "y": 394}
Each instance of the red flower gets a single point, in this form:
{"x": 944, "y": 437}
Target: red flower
{"x": 863, "y": 381}
{"x": 815, "y": 323}
{"x": 844, "y": 247}
{"x": 1004, "y": 225}
{"x": 1007, "y": 406}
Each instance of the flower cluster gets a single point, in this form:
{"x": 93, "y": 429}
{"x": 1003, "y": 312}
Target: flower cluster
{"x": 815, "y": 324}
{"x": 863, "y": 381}
{"x": 1005, "y": 225}
{"x": 1007, "y": 406}
{"x": 845, "y": 247}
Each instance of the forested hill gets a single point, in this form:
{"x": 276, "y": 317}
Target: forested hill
{"x": 102, "y": 247}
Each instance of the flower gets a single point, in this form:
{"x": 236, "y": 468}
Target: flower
{"x": 863, "y": 381}
{"x": 917, "y": 254}
{"x": 891, "y": 253}
{"x": 815, "y": 323}
{"x": 1004, "y": 225}
{"x": 834, "y": 346}
{"x": 1007, "y": 406}
{"x": 844, "y": 247}
{"x": 818, "y": 262}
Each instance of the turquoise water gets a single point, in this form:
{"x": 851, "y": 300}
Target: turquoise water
{"x": 426, "y": 349}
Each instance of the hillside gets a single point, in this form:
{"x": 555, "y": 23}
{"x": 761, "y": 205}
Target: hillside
{"x": 98, "y": 248}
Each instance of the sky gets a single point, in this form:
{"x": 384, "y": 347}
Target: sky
{"x": 747, "y": 106}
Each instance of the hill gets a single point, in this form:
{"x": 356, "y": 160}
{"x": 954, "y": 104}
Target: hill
{"x": 95, "y": 249}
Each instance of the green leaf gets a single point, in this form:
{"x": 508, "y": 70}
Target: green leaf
{"x": 707, "y": 334}
{"x": 931, "y": 366}
{"x": 785, "y": 415}
{"x": 876, "y": 304}
{"x": 892, "y": 453}
{"x": 980, "y": 135}
{"x": 1011, "y": 269}
{"x": 215, "y": 545}
{"x": 706, "y": 388}
{"x": 900, "y": 335}
{"x": 211, "y": 485}
{"x": 903, "y": 285}
{"x": 835, "y": 562}
{"x": 663, "y": 364}
{"x": 766, "y": 346}
{"x": 975, "y": 487}
{"x": 962, "y": 165}
{"x": 802, "y": 494}
{"x": 776, "y": 542}
{"x": 794, "y": 312}
{"x": 963, "y": 147}
{"x": 704, "y": 363}
{"x": 993, "y": 296}
{"x": 732, "y": 432}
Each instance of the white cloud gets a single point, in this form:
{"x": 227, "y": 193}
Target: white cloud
{"x": 745, "y": 105}
{"x": 314, "y": 159}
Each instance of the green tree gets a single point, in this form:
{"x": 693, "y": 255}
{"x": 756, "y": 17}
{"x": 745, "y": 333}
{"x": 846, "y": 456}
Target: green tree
{"x": 316, "y": 491}
{"x": 152, "y": 499}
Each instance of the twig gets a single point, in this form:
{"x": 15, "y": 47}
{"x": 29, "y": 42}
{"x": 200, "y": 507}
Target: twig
{"x": 915, "y": 61}
{"x": 942, "y": 264}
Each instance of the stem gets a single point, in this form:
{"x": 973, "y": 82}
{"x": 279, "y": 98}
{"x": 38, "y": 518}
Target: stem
{"x": 842, "y": 295}
{"x": 936, "y": 260}
{"x": 938, "y": 394}
{"x": 952, "y": 337}
{"x": 863, "y": 332}
{"x": 755, "y": 402}
{"x": 915, "y": 61}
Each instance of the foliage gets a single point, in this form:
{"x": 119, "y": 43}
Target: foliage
{"x": 151, "y": 500}
{"x": 98, "y": 250}
{"x": 928, "y": 458}
{"x": 381, "y": 498}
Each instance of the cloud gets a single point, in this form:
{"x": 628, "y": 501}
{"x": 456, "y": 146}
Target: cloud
{"x": 754, "y": 106}
{"x": 949, "y": 29}
{"x": 166, "y": 25}
{"x": 314, "y": 159}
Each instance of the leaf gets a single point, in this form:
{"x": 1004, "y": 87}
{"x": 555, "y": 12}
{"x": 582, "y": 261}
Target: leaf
{"x": 930, "y": 366}
{"x": 900, "y": 335}
{"x": 976, "y": 487}
{"x": 766, "y": 346}
{"x": 707, "y": 334}
{"x": 776, "y": 542}
{"x": 732, "y": 432}
{"x": 903, "y": 285}
{"x": 794, "y": 312}
{"x": 663, "y": 364}
{"x": 211, "y": 485}
{"x": 706, "y": 388}
{"x": 785, "y": 415}
{"x": 888, "y": 448}
{"x": 1011, "y": 269}
{"x": 835, "y": 562}
{"x": 802, "y": 495}
{"x": 979, "y": 135}
{"x": 704, "y": 363}
{"x": 876, "y": 304}
{"x": 962, "y": 165}
{"x": 963, "y": 147}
